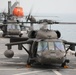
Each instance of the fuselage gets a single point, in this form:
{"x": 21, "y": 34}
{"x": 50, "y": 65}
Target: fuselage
{"x": 51, "y": 51}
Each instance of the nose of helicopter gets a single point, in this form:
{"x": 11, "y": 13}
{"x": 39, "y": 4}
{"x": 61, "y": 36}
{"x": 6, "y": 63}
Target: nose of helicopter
{"x": 51, "y": 57}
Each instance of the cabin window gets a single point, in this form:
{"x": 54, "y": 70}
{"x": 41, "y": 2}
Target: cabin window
{"x": 59, "y": 45}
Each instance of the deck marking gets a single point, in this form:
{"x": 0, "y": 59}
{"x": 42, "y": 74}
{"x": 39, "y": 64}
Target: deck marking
{"x": 56, "y": 72}
{"x": 10, "y": 69}
{"x": 13, "y": 63}
{"x": 27, "y": 73}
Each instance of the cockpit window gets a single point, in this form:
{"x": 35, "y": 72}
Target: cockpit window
{"x": 11, "y": 26}
{"x": 51, "y": 45}
{"x": 42, "y": 45}
{"x": 45, "y": 45}
{"x": 59, "y": 45}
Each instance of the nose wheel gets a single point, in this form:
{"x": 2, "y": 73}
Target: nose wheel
{"x": 9, "y": 53}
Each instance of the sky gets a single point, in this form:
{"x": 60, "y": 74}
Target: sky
{"x": 43, "y": 6}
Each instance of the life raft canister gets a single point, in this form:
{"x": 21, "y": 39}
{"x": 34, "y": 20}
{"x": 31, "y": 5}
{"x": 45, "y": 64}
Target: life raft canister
{"x": 18, "y": 11}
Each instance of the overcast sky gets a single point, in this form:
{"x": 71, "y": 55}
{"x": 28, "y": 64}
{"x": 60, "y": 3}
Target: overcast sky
{"x": 43, "y": 6}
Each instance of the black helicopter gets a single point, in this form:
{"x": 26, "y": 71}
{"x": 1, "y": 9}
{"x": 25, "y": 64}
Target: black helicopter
{"x": 45, "y": 46}
{"x": 11, "y": 28}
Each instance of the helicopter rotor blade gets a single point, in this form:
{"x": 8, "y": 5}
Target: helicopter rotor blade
{"x": 66, "y": 22}
{"x": 45, "y": 16}
{"x": 43, "y": 21}
{"x": 29, "y": 15}
{"x": 54, "y": 22}
{"x": 37, "y": 22}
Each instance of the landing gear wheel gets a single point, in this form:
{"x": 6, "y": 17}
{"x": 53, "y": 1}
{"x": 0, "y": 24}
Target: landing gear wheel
{"x": 29, "y": 61}
{"x": 20, "y": 35}
{"x": 67, "y": 60}
{"x": 3, "y": 35}
{"x": 63, "y": 64}
{"x": 9, "y": 53}
{"x": 75, "y": 54}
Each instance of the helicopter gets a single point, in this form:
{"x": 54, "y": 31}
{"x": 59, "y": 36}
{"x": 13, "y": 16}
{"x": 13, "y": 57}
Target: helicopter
{"x": 14, "y": 14}
{"x": 45, "y": 46}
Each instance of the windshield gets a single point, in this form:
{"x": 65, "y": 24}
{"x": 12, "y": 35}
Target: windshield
{"x": 11, "y": 26}
{"x": 45, "y": 45}
{"x": 42, "y": 45}
{"x": 59, "y": 45}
